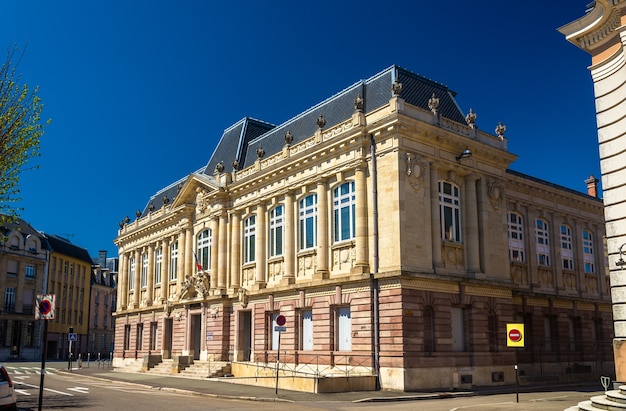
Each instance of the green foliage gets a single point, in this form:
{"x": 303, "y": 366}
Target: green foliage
{"x": 20, "y": 131}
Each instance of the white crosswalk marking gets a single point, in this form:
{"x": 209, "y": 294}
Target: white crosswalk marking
{"x": 81, "y": 390}
{"x": 22, "y": 392}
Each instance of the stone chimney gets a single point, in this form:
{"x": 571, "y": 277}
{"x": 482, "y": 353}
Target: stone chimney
{"x": 592, "y": 186}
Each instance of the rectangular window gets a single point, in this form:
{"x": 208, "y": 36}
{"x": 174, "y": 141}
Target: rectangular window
{"x": 203, "y": 248}
{"x": 542, "y": 237}
{"x": 158, "y": 265}
{"x": 567, "y": 253}
{"x": 276, "y": 231}
{"x": 144, "y": 270}
{"x": 344, "y": 329}
{"x": 516, "y": 238}
{"x": 588, "y": 254}
{"x": 95, "y": 320}
{"x": 274, "y": 340}
{"x": 429, "y": 329}
{"x": 450, "y": 211}
{"x": 174, "y": 261}
{"x": 127, "y": 337}
{"x": 30, "y": 271}
{"x": 249, "y": 239}
{"x": 131, "y": 279}
{"x": 9, "y": 299}
{"x": 30, "y": 334}
{"x": 344, "y": 212}
{"x": 307, "y": 222}
{"x": 306, "y": 335}
{"x": 12, "y": 268}
{"x": 458, "y": 329}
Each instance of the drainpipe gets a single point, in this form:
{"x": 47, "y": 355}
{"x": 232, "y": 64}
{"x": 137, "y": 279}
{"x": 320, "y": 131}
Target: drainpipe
{"x": 375, "y": 287}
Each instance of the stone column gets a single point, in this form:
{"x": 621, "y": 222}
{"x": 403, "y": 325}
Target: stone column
{"x": 216, "y": 238}
{"x": 222, "y": 266}
{"x": 360, "y": 187}
{"x": 322, "y": 229}
{"x": 150, "y": 282}
{"x": 180, "y": 275}
{"x": 260, "y": 257}
{"x": 165, "y": 273}
{"x": 122, "y": 292}
{"x": 290, "y": 240}
{"x": 435, "y": 233}
{"x": 137, "y": 279}
{"x": 235, "y": 250}
{"x": 471, "y": 225}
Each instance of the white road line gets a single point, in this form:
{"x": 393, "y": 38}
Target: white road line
{"x": 480, "y": 405}
{"x": 22, "y": 392}
{"x": 81, "y": 390}
{"x": 47, "y": 389}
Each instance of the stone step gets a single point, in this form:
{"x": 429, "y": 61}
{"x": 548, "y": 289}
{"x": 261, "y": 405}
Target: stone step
{"x": 603, "y": 402}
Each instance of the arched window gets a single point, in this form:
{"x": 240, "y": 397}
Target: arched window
{"x": 516, "y": 237}
{"x": 249, "y": 239}
{"x": 307, "y": 218}
{"x": 204, "y": 249}
{"x": 450, "y": 211}
{"x": 277, "y": 227}
{"x": 343, "y": 212}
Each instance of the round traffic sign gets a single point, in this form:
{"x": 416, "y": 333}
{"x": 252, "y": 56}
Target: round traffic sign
{"x": 515, "y": 335}
{"x": 45, "y": 306}
{"x": 281, "y": 320}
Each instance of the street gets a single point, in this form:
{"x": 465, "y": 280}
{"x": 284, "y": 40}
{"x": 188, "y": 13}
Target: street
{"x": 67, "y": 391}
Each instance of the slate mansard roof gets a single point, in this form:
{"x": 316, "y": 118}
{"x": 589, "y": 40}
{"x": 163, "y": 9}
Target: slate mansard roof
{"x": 241, "y": 141}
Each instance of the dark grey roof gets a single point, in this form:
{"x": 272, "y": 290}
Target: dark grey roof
{"x": 242, "y": 139}
{"x": 65, "y": 247}
{"x": 553, "y": 185}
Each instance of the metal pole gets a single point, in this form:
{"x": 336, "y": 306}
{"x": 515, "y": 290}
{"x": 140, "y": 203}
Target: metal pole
{"x": 516, "y": 378}
{"x": 277, "y": 362}
{"x": 44, "y": 353}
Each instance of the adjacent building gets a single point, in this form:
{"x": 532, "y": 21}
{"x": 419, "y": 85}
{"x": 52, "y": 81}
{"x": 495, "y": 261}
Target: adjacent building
{"x": 23, "y": 264}
{"x": 388, "y": 232}
{"x": 69, "y": 278}
{"x": 102, "y": 305}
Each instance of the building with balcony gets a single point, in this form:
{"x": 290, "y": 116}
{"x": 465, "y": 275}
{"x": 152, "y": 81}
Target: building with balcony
{"x": 390, "y": 233}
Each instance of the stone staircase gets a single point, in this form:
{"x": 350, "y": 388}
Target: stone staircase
{"x": 613, "y": 400}
{"x": 162, "y": 368}
{"x": 206, "y": 369}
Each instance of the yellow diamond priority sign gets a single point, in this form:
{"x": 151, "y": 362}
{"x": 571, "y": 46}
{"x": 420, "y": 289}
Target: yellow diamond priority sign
{"x": 515, "y": 335}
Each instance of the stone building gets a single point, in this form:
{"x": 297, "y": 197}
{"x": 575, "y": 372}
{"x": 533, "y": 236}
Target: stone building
{"x": 390, "y": 233}
{"x": 101, "y": 307}
{"x": 23, "y": 262}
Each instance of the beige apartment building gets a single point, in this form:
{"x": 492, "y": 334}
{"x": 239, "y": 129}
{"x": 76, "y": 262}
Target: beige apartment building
{"x": 388, "y": 232}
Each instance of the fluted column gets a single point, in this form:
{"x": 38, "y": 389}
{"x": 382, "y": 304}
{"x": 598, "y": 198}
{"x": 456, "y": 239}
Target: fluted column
{"x": 471, "y": 226}
{"x": 290, "y": 240}
{"x": 216, "y": 237}
{"x": 150, "y": 282}
{"x": 235, "y": 250}
{"x": 260, "y": 256}
{"x": 165, "y": 270}
{"x": 137, "y": 279}
{"x": 222, "y": 245}
{"x": 361, "y": 262}
{"x": 435, "y": 233}
{"x": 122, "y": 292}
{"x": 322, "y": 229}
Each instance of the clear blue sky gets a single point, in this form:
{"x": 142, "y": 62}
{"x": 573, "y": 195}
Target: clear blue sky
{"x": 139, "y": 92}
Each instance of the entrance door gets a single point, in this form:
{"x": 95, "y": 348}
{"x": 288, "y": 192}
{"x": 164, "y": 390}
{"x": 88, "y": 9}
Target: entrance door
{"x": 245, "y": 335}
{"x": 168, "y": 327}
{"x": 196, "y": 335}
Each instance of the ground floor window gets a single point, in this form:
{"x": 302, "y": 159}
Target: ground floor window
{"x": 344, "y": 329}
{"x": 306, "y": 328}
{"x": 127, "y": 337}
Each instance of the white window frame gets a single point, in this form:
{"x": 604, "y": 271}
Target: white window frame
{"x": 542, "y": 242}
{"x": 174, "y": 261}
{"x": 144, "y": 270}
{"x": 450, "y": 211}
{"x": 277, "y": 230}
{"x": 588, "y": 253}
{"x": 29, "y": 271}
{"x": 344, "y": 329}
{"x": 517, "y": 251}
{"x": 344, "y": 210}
{"x": 567, "y": 248}
{"x": 203, "y": 250}
{"x": 249, "y": 239}
{"x": 131, "y": 275}
{"x": 306, "y": 330}
{"x": 9, "y": 299}
{"x": 158, "y": 265}
{"x": 307, "y": 222}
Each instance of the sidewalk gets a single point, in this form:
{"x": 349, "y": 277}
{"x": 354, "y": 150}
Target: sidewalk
{"x": 224, "y": 389}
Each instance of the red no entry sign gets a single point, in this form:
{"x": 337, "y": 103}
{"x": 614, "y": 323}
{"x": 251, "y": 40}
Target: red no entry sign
{"x": 515, "y": 335}
{"x": 281, "y": 320}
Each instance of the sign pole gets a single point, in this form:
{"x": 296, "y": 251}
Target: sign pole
{"x": 44, "y": 354}
{"x": 516, "y": 378}
{"x": 277, "y": 363}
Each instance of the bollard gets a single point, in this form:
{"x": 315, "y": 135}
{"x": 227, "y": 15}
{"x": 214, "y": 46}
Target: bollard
{"x": 88, "y": 358}
{"x": 80, "y": 361}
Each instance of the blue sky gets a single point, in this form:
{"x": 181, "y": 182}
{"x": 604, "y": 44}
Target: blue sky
{"x": 139, "y": 92}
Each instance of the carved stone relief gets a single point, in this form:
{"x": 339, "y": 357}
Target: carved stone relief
{"x": 495, "y": 190}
